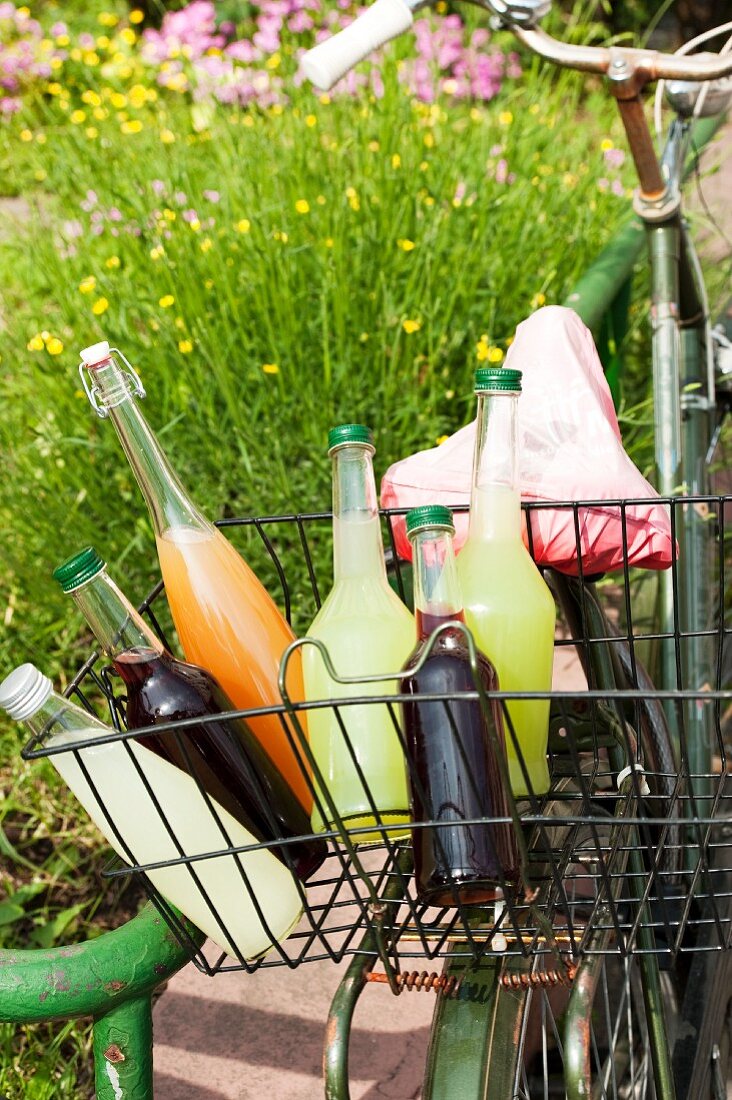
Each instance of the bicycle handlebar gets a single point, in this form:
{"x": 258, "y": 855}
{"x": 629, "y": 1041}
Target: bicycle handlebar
{"x": 385, "y": 19}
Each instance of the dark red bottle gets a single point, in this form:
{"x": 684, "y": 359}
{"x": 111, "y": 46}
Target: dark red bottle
{"x": 223, "y": 755}
{"x": 455, "y": 780}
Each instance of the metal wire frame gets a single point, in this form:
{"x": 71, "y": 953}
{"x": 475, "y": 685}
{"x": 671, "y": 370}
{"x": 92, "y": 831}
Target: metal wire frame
{"x": 599, "y": 864}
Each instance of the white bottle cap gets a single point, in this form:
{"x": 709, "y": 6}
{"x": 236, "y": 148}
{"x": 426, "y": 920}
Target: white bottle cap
{"x": 95, "y": 354}
{"x": 24, "y": 691}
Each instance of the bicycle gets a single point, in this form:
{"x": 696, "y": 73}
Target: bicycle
{"x": 617, "y": 881}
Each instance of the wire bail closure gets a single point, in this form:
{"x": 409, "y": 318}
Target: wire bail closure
{"x": 93, "y": 392}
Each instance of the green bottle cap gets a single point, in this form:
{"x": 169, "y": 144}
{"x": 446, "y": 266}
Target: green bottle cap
{"x": 504, "y": 379}
{"x": 429, "y": 515}
{"x": 349, "y": 433}
{"x": 78, "y": 569}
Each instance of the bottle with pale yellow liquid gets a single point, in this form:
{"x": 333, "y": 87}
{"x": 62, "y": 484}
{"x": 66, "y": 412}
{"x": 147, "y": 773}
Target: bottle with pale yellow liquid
{"x": 507, "y": 603}
{"x": 366, "y": 630}
{"x": 151, "y": 811}
{"x": 225, "y": 619}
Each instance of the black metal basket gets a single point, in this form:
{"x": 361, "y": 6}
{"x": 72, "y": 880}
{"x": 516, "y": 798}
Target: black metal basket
{"x": 628, "y": 851}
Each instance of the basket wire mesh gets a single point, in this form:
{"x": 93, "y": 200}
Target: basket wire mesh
{"x": 629, "y": 852}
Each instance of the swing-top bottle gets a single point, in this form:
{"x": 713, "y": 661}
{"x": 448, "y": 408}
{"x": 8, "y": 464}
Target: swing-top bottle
{"x": 225, "y": 619}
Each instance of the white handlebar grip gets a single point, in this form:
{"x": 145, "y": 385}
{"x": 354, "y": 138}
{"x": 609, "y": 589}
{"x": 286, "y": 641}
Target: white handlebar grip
{"x": 325, "y": 64}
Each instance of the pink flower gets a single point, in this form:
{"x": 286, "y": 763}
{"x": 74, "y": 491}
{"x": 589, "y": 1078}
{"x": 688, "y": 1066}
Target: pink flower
{"x": 212, "y": 196}
{"x": 614, "y": 158}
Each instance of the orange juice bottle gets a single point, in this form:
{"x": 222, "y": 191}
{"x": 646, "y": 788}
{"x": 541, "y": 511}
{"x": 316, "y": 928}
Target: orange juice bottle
{"x": 225, "y": 619}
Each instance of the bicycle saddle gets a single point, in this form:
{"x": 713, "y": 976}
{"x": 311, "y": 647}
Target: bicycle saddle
{"x": 570, "y": 450}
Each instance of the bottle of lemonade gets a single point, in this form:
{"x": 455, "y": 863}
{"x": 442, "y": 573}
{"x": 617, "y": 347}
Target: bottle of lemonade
{"x": 507, "y": 604}
{"x": 455, "y": 778}
{"x": 225, "y": 619}
{"x": 107, "y": 778}
{"x": 367, "y": 630}
{"x": 223, "y": 755}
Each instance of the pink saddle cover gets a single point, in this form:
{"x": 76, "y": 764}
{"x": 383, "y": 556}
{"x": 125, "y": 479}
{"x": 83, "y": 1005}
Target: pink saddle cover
{"x": 570, "y": 450}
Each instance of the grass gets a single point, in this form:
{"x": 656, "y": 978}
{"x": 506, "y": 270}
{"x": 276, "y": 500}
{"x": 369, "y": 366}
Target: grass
{"x": 360, "y": 251}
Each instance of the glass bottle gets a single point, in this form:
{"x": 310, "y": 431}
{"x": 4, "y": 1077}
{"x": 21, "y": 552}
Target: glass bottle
{"x": 454, "y": 775}
{"x": 216, "y": 894}
{"x": 367, "y": 630}
{"x": 224, "y": 617}
{"x": 225, "y": 756}
{"x": 508, "y": 606}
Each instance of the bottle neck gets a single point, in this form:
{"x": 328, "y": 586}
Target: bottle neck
{"x": 358, "y": 549}
{"x": 495, "y": 502}
{"x": 59, "y": 720}
{"x": 166, "y": 499}
{"x": 437, "y": 596}
{"x": 114, "y": 622}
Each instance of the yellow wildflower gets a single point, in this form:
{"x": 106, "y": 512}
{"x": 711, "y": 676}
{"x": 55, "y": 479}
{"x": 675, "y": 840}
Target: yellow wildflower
{"x": 167, "y": 137}
{"x": 429, "y": 140}
{"x": 328, "y": 242}
{"x": 185, "y": 347}
{"x": 374, "y": 146}
{"x": 107, "y": 19}
{"x": 54, "y": 346}
{"x": 157, "y": 252}
{"x": 118, "y": 100}
{"x": 406, "y": 245}
{"x": 100, "y": 306}
{"x": 243, "y": 226}
{"x": 91, "y": 132}
{"x": 195, "y": 225}
{"x": 40, "y": 174}
{"x": 91, "y": 98}
{"x": 136, "y": 15}
{"x": 321, "y": 200}
{"x": 538, "y": 300}
{"x": 505, "y": 118}
{"x": 441, "y": 439}
{"x": 102, "y": 43}
{"x": 86, "y": 286}
{"x": 112, "y": 262}
{"x": 311, "y": 120}
{"x": 206, "y": 245}
{"x": 274, "y": 61}
{"x": 169, "y": 214}
{"x": 26, "y": 135}
{"x": 324, "y": 99}
{"x": 132, "y": 127}
{"x": 128, "y": 36}
{"x": 411, "y": 326}
{"x": 270, "y": 368}
{"x": 166, "y": 301}
{"x": 302, "y": 206}
{"x": 606, "y": 145}
{"x": 35, "y": 343}
{"x": 396, "y": 160}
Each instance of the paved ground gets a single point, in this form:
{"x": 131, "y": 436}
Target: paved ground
{"x": 237, "y": 1037}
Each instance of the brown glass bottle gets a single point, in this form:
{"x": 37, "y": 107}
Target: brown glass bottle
{"x": 455, "y": 780}
{"x": 223, "y": 755}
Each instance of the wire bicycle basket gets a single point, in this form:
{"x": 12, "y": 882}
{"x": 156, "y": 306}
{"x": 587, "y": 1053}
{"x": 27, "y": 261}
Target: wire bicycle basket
{"x": 628, "y": 852}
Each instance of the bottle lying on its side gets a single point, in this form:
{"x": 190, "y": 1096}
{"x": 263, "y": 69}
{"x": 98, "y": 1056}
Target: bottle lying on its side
{"x": 151, "y": 811}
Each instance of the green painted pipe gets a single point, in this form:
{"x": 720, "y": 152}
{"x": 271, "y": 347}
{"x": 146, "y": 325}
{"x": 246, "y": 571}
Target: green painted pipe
{"x": 91, "y": 978}
{"x": 123, "y": 1052}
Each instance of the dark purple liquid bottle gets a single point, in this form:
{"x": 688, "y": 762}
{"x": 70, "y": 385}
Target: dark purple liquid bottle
{"x": 224, "y": 756}
{"x": 454, "y": 777}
